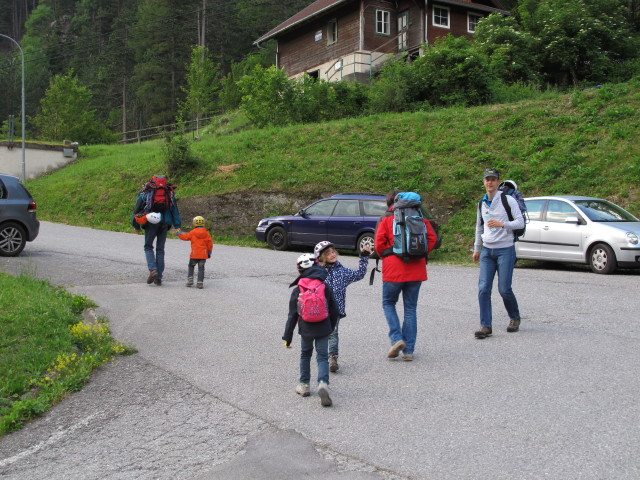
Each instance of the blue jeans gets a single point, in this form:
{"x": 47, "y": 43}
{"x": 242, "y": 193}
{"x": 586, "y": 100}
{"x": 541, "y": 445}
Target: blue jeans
{"x": 501, "y": 260}
{"x": 157, "y": 232}
{"x": 333, "y": 340}
{"x": 408, "y": 331}
{"x": 322, "y": 357}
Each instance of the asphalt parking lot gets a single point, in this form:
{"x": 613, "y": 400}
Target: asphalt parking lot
{"x": 210, "y": 393}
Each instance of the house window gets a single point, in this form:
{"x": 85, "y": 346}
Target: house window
{"x": 441, "y": 17}
{"x": 332, "y": 31}
{"x": 472, "y": 22}
{"x": 383, "y": 22}
{"x": 403, "y": 26}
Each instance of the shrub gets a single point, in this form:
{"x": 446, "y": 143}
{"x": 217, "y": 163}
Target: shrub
{"x": 177, "y": 155}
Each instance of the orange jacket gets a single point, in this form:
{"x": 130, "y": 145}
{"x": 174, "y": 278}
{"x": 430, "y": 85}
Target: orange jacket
{"x": 201, "y": 243}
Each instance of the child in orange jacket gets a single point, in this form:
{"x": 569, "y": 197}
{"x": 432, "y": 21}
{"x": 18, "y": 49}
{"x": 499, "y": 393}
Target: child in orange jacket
{"x": 201, "y": 246}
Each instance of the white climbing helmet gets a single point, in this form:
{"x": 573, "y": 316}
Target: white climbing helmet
{"x": 154, "y": 217}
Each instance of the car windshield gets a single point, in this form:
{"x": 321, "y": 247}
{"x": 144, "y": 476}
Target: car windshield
{"x": 603, "y": 211}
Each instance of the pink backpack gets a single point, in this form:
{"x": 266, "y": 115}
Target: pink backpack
{"x": 312, "y": 302}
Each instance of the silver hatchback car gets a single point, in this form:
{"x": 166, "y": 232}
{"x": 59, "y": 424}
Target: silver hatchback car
{"x": 564, "y": 228}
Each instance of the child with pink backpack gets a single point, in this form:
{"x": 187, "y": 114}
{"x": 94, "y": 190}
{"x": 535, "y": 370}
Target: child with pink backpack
{"x": 313, "y": 308}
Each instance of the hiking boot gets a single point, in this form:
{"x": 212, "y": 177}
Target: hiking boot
{"x": 394, "y": 351}
{"x": 407, "y": 357}
{"x": 333, "y": 363}
{"x": 153, "y": 274}
{"x": 189, "y": 282}
{"x": 514, "y": 325}
{"x": 303, "y": 389}
{"x": 484, "y": 332}
{"x": 199, "y": 285}
{"x": 157, "y": 281}
{"x": 323, "y": 392}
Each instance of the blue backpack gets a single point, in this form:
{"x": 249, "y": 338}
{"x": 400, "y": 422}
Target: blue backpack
{"x": 409, "y": 230}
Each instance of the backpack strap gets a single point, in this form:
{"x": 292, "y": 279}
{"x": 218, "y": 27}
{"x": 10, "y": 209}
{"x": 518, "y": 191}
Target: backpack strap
{"x": 507, "y": 207}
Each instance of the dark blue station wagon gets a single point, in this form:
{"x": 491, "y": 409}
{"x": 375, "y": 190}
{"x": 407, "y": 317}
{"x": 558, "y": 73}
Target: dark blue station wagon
{"x": 346, "y": 220}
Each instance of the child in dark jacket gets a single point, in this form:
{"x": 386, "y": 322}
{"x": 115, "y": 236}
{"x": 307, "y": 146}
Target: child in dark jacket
{"x": 201, "y": 246}
{"x": 312, "y": 332}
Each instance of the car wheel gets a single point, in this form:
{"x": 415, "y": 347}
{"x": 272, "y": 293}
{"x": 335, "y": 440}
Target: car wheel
{"x": 277, "y": 238}
{"x": 12, "y": 239}
{"x": 602, "y": 259}
{"x": 365, "y": 240}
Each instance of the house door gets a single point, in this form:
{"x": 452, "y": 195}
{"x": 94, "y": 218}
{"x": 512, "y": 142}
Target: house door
{"x": 403, "y": 27}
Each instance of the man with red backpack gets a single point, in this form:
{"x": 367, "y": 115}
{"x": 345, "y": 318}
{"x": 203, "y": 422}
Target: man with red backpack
{"x": 155, "y": 211}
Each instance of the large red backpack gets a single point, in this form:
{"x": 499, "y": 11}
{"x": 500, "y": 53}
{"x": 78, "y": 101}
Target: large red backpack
{"x": 161, "y": 195}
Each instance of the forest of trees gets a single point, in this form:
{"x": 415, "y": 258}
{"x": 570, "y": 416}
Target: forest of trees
{"x": 132, "y": 55}
{"x": 124, "y": 65}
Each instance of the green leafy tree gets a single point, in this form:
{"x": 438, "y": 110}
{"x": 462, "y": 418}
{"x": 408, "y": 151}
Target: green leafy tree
{"x": 230, "y": 95}
{"x": 203, "y": 80}
{"x": 453, "y": 72}
{"x": 578, "y": 39}
{"x": 267, "y": 95}
{"x": 67, "y": 113}
{"x": 510, "y": 50}
{"x": 395, "y": 89}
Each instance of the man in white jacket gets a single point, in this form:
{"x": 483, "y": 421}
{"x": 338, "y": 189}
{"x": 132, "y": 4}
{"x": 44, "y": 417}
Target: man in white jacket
{"x": 494, "y": 248}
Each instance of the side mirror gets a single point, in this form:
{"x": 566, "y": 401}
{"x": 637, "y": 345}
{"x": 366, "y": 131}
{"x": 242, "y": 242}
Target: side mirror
{"x": 301, "y": 212}
{"x": 572, "y": 220}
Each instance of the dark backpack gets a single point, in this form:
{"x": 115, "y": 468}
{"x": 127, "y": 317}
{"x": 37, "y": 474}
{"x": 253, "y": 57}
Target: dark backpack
{"x": 158, "y": 195}
{"x": 409, "y": 230}
{"x": 312, "y": 300}
{"x": 509, "y": 187}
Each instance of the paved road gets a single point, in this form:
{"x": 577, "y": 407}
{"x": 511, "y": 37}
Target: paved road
{"x": 210, "y": 393}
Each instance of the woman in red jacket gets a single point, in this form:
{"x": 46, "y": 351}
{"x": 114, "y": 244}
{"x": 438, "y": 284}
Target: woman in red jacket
{"x": 401, "y": 276}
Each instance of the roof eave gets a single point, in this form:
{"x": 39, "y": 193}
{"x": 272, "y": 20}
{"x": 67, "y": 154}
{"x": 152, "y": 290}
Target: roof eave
{"x": 277, "y": 30}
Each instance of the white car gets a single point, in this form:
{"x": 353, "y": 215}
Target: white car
{"x": 566, "y": 228}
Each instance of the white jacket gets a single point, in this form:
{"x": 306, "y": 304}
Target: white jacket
{"x": 502, "y": 237}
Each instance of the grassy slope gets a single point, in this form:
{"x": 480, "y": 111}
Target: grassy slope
{"x": 582, "y": 143}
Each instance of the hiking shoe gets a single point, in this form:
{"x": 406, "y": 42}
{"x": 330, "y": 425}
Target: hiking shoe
{"x": 199, "y": 285}
{"x": 152, "y": 276}
{"x": 333, "y": 363}
{"x": 189, "y": 282}
{"x": 407, "y": 357}
{"x": 157, "y": 281}
{"x": 303, "y": 389}
{"x": 323, "y": 392}
{"x": 514, "y": 325}
{"x": 394, "y": 351}
{"x": 484, "y": 332}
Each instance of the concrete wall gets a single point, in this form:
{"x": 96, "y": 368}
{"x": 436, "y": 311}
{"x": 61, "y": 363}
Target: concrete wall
{"x": 39, "y": 159}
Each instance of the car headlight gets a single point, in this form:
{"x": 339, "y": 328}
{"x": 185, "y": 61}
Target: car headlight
{"x": 632, "y": 238}
{"x": 263, "y": 223}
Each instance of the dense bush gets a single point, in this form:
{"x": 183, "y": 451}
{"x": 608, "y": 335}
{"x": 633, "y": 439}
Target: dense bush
{"x": 452, "y": 72}
{"x": 177, "y": 155}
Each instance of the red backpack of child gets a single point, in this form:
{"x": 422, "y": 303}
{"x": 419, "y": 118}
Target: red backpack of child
{"x": 312, "y": 301}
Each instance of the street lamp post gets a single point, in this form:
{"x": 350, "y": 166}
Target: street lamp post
{"x": 24, "y": 176}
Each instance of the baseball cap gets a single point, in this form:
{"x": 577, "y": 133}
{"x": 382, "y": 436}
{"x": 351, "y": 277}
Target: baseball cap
{"x": 491, "y": 172}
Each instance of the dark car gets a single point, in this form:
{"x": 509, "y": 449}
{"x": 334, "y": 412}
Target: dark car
{"x": 18, "y": 222}
{"x": 346, "y": 220}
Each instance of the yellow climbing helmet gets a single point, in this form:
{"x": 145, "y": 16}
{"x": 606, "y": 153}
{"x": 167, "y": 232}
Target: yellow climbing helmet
{"x": 198, "y": 221}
